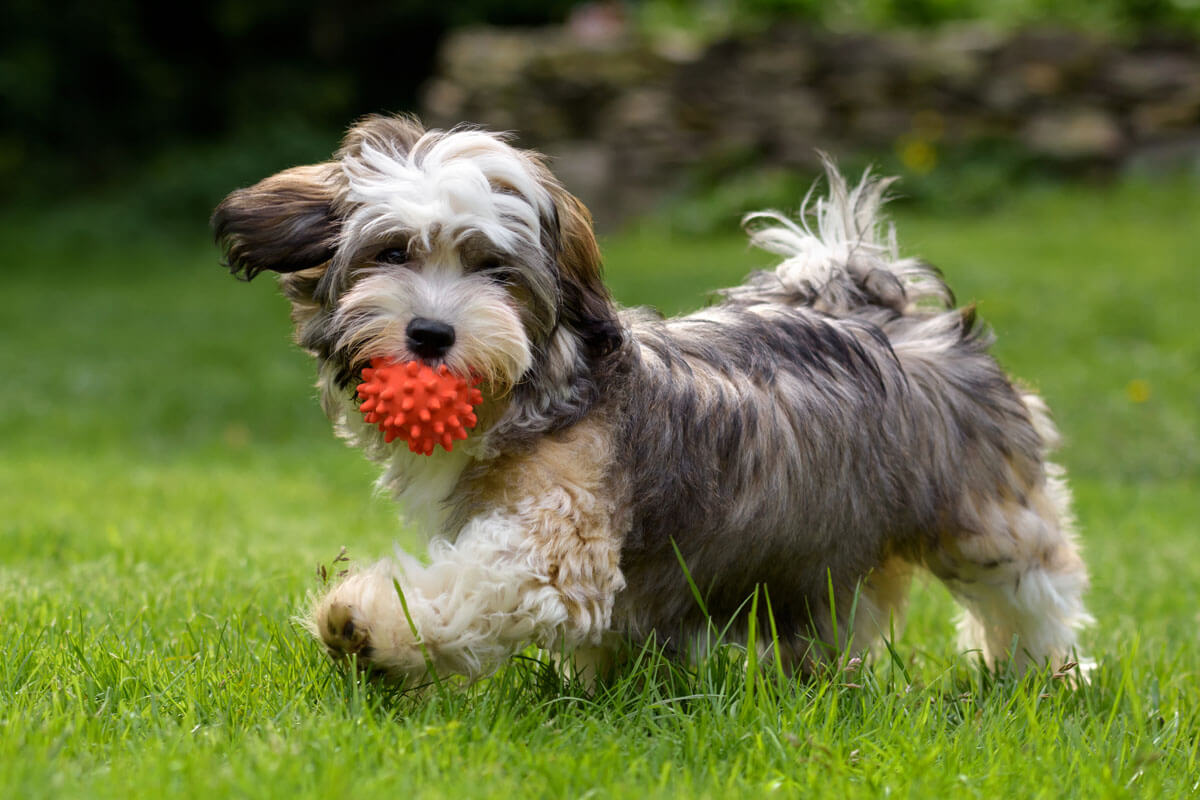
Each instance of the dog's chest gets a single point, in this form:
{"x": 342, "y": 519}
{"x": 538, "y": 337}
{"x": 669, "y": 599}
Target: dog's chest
{"x": 423, "y": 484}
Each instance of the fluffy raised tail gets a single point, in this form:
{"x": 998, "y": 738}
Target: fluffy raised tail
{"x": 849, "y": 263}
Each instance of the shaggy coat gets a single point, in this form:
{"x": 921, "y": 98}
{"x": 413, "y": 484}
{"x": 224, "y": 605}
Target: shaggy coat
{"x": 819, "y": 432}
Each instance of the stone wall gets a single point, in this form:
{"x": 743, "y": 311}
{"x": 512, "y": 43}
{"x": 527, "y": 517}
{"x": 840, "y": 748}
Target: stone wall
{"x": 625, "y": 120}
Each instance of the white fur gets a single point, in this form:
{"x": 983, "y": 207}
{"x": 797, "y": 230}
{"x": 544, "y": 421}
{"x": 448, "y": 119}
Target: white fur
{"x": 1028, "y": 586}
{"x": 478, "y": 600}
{"x": 1038, "y": 609}
{"x": 490, "y": 340}
{"x": 849, "y": 232}
{"x": 446, "y": 183}
{"x": 422, "y": 485}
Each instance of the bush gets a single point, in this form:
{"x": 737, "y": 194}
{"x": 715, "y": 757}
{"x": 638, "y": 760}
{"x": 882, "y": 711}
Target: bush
{"x": 92, "y": 88}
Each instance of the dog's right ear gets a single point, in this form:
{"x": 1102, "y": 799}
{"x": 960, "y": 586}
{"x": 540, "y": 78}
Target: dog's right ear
{"x": 284, "y": 223}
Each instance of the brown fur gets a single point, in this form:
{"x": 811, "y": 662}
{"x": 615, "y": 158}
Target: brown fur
{"x": 561, "y": 491}
{"x": 282, "y": 223}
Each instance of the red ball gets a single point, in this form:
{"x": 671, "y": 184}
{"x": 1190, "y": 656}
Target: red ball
{"x": 411, "y": 401}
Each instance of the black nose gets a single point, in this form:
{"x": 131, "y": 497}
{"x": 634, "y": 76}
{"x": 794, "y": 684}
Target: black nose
{"x": 429, "y": 338}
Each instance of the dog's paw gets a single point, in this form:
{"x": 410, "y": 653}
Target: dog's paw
{"x": 362, "y": 618}
{"x": 344, "y": 632}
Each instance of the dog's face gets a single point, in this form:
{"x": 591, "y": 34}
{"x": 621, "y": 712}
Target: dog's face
{"x": 446, "y": 247}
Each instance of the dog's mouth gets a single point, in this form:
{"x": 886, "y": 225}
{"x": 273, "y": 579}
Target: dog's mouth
{"x": 350, "y": 377}
{"x": 437, "y": 365}
{"x": 422, "y": 406}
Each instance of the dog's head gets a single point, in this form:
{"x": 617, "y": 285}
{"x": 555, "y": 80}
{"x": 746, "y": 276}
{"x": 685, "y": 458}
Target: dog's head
{"x": 447, "y": 247}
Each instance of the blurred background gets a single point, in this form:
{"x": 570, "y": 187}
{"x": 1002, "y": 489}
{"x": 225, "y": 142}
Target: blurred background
{"x": 696, "y": 108}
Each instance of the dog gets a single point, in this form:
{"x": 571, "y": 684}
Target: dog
{"x": 818, "y": 433}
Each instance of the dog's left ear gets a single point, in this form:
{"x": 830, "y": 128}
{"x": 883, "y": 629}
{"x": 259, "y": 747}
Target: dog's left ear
{"x": 587, "y": 306}
{"x": 284, "y": 223}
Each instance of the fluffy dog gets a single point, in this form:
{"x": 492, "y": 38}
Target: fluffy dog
{"x": 821, "y": 430}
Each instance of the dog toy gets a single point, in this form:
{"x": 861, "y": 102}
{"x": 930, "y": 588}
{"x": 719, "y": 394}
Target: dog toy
{"x": 411, "y": 401}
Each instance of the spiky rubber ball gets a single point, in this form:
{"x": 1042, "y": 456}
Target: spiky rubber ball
{"x": 424, "y": 407}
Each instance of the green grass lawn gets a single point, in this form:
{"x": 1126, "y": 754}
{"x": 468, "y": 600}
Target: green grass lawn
{"x": 168, "y": 485}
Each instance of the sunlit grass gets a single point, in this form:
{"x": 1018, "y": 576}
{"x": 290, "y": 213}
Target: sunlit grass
{"x": 169, "y": 486}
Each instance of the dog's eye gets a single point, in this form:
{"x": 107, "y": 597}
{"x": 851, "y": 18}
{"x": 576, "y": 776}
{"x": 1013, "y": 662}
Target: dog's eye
{"x": 496, "y": 270}
{"x": 392, "y": 255}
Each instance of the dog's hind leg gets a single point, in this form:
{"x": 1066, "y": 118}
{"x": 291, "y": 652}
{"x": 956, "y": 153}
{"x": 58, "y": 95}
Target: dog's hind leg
{"x": 1018, "y": 574}
{"x": 875, "y": 612}
{"x": 882, "y": 603}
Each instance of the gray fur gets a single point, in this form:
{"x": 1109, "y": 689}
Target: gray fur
{"x": 778, "y": 445}
{"x": 822, "y": 421}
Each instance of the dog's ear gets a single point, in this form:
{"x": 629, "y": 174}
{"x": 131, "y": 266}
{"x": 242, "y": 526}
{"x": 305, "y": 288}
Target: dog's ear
{"x": 587, "y": 305}
{"x": 284, "y": 223}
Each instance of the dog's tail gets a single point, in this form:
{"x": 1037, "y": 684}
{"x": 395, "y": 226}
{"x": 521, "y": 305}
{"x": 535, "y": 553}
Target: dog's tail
{"x": 849, "y": 263}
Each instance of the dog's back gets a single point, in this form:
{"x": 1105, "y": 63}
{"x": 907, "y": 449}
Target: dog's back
{"x": 827, "y": 421}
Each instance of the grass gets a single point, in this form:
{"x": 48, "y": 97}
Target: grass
{"x": 168, "y": 486}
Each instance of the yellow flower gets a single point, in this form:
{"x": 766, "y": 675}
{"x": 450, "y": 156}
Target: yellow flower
{"x": 918, "y": 155}
{"x": 1137, "y": 390}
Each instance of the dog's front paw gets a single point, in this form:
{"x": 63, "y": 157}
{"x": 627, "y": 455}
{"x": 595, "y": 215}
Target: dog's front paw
{"x": 362, "y": 617}
{"x": 344, "y": 632}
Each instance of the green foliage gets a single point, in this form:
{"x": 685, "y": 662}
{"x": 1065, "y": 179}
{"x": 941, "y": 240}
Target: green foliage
{"x": 1124, "y": 17}
{"x": 92, "y": 88}
{"x": 169, "y": 485}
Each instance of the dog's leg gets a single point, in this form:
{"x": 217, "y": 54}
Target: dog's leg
{"x": 873, "y": 612}
{"x": 590, "y": 664}
{"x": 882, "y": 603}
{"x": 1019, "y": 576}
{"x": 544, "y": 573}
